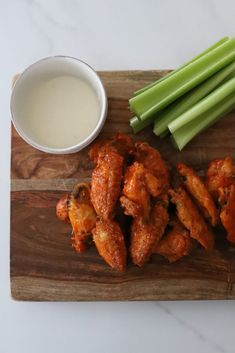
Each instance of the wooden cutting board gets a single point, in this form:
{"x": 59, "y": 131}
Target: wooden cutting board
{"x": 43, "y": 264}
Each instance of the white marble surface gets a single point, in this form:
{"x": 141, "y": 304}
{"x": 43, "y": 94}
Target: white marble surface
{"x": 124, "y": 34}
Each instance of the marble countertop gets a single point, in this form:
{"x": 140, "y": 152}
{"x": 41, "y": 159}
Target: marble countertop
{"x": 124, "y": 34}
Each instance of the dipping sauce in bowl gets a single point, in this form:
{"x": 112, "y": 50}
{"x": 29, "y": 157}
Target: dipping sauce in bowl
{"x": 59, "y": 105}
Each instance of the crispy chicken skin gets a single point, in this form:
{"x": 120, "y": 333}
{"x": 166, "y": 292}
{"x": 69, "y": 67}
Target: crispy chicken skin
{"x": 130, "y": 207}
{"x": 138, "y": 185}
{"x": 221, "y": 183}
{"x": 62, "y": 211}
{"x": 97, "y": 148}
{"x": 227, "y": 215}
{"x": 145, "y": 236}
{"x": 220, "y": 174}
{"x": 153, "y": 184}
{"x": 191, "y": 218}
{"x": 175, "y": 244}
{"x": 199, "y": 192}
{"x": 135, "y": 190}
{"x": 109, "y": 157}
{"x": 153, "y": 162}
{"x": 106, "y": 183}
{"x": 81, "y": 214}
{"x": 110, "y": 243}
{"x": 121, "y": 144}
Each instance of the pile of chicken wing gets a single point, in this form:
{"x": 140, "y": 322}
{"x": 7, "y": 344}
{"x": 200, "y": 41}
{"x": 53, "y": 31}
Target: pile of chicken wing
{"x": 131, "y": 208}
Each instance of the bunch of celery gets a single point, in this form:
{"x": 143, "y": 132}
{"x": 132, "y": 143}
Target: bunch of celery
{"x": 191, "y": 98}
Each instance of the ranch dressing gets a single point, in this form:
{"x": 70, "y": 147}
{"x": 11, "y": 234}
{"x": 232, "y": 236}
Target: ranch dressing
{"x": 60, "y": 112}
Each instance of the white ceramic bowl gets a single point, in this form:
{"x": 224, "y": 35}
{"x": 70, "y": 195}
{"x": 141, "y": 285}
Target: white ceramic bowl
{"x": 49, "y": 68}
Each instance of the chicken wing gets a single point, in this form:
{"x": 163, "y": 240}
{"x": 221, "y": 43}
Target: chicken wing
{"x": 106, "y": 183}
{"x": 62, "y": 211}
{"x": 136, "y": 199}
{"x": 227, "y": 215}
{"x": 220, "y": 174}
{"x": 130, "y": 207}
{"x": 153, "y": 184}
{"x": 199, "y": 192}
{"x": 121, "y": 144}
{"x": 153, "y": 162}
{"x": 138, "y": 186}
{"x": 191, "y": 218}
{"x": 81, "y": 215}
{"x": 110, "y": 243}
{"x": 175, "y": 244}
{"x": 145, "y": 236}
{"x": 97, "y": 148}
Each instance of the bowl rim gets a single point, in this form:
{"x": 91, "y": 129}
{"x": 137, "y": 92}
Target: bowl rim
{"x": 102, "y": 116}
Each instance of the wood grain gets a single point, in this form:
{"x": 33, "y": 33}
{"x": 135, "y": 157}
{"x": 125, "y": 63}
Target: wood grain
{"x": 43, "y": 264}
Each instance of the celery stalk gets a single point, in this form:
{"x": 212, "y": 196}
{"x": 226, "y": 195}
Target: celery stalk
{"x": 217, "y": 44}
{"x": 189, "y": 99}
{"x": 186, "y": 133}
{"x": 158, "y": 97}
{"x": 215, "y": 97}
{"x": 138, "y": 125}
